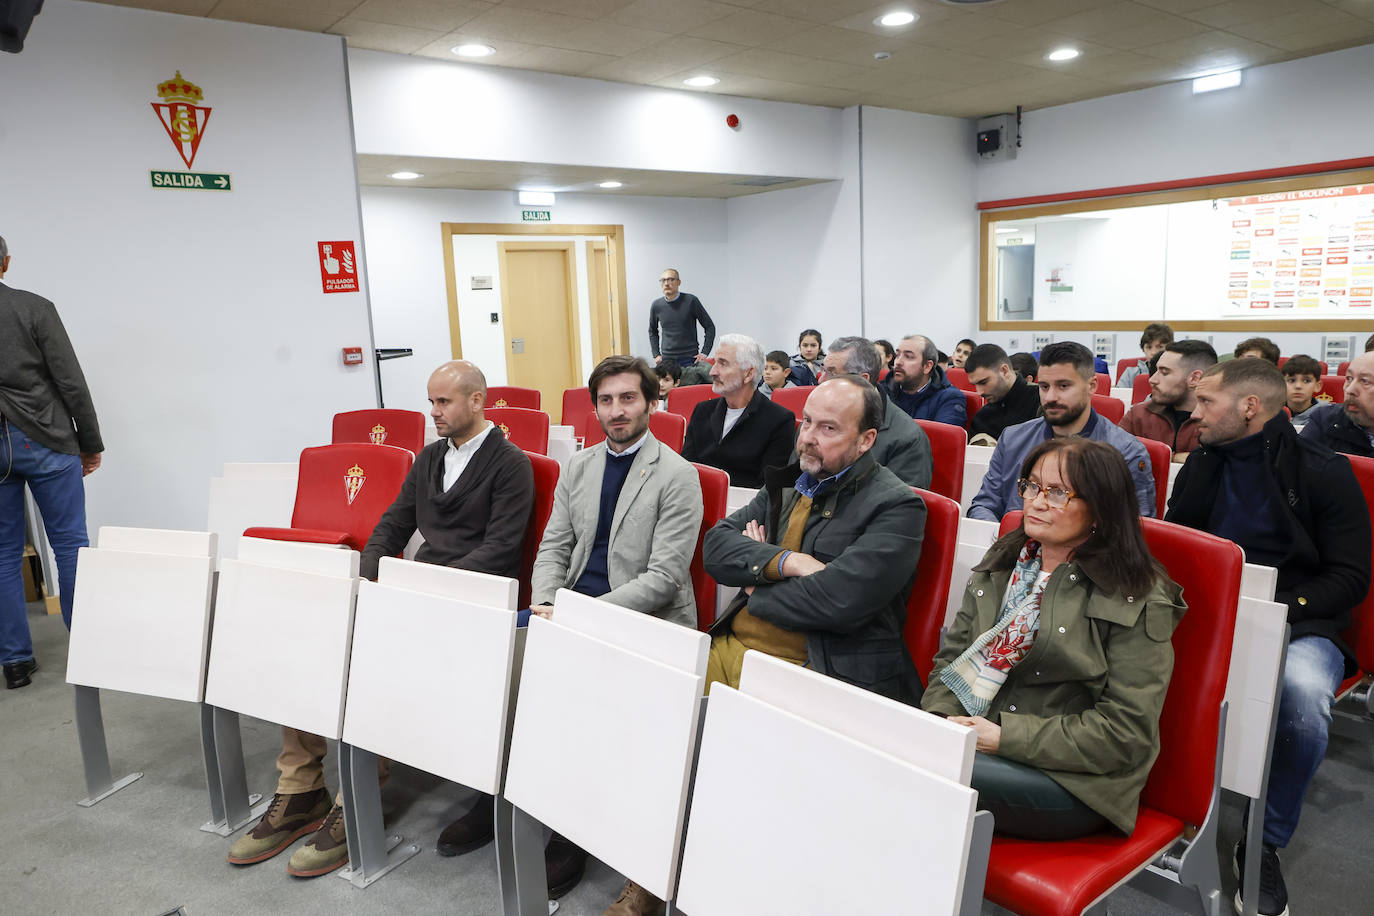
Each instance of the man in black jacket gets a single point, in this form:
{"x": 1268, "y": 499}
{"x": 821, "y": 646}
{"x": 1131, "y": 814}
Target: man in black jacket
{"x": 1294, "y": 505}
{"x": 1349, "y": 426}
{"x": 825, "y": 555}
{"x": 470, "y": 495}
{"x": 741, "y": 432}
{"x": 49, "y": 440}
{"x": 1007, "y": 398}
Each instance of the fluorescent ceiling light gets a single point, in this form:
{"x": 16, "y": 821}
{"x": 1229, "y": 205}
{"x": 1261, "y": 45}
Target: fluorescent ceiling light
{"x": 405, "y": 175}
{"x": 1062, "y": 54}
{"x": 536, "y": 198}
{"x": 701, "y": 81}
{"x": 1007, "y": 229}
{"x": 899, "y": 18}
{"x": 473, "y": 50}
{"x": 611, "y": 184}
{"x": 1217, "y": 81}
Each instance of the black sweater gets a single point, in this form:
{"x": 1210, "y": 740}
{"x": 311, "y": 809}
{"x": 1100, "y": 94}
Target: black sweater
{"x": 478, "y": 525}
{"x": 1020, "y": 404}
{"x": 762, "y": 437}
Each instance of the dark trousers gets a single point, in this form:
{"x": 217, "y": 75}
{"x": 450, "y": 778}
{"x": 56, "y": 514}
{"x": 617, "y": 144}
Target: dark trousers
{"x": 1027, "y": 804}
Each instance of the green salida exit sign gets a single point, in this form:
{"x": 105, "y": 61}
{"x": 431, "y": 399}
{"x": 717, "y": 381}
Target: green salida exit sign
{"x": 536, "y": 216}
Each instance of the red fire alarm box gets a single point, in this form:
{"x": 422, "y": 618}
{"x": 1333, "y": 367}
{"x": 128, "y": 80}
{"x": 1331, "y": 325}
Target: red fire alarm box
{"x": 353, "y": 356}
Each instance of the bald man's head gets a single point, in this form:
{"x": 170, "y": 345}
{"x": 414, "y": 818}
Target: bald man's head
{"x": 457, "y": 391}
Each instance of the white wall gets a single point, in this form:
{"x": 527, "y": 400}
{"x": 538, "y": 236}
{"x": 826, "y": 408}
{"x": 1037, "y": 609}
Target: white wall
{"x": 198, "y": 316}
{"x": 421, "y": 107}
{"x": 1115, "y": 265}
{"x": 410, "y": 305}
{"x": 920, "y": 228}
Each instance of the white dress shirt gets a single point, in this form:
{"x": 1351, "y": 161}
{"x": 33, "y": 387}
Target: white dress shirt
{"x": 457, "y": 458}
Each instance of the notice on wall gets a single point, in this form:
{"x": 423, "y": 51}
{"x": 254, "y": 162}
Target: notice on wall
{"x": 1301, "y": 253}
{"x": 338, "y": 267}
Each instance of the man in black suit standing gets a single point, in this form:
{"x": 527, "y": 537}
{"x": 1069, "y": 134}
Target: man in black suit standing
{"x": 742, "y": 431}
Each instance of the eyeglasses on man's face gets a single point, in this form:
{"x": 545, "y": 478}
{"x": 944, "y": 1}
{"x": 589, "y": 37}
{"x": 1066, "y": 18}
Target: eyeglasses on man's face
{"x": 1057, "y": 497}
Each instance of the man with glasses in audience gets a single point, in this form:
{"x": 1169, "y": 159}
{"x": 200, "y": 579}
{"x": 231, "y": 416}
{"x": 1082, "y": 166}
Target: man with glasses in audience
{"x": 918, "y": 384}
{"x": 901, "y": 445}
{"x": 679, "y": 314}
{"x": 1349, "y": 426}
{"x": 469, "y": 495}
{"x": 1295, "y": 505}
{"x": 1066, "y": 379}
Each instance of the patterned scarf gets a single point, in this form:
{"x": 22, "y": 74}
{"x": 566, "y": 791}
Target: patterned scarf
{"x": 976, "y": 675}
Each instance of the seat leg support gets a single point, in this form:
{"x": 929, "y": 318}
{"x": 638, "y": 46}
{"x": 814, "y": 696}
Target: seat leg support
{"x": 976, "y": 875}
{"x": 371, "y": 853}
{"x": 95, "y": 755}
{"x": 520, "y": 862}
{"x": 231, "y": 807}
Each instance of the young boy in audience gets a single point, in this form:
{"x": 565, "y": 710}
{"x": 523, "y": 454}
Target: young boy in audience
{"x": 669, "y": 377}
{"x": 961, "y": 352}
{"x": 1259, "y": 348}
{"x": 1153, "y": 340}
{"x": 777, "y": 369}
{"x": 1025, "y": 366}
{"x": 1304, "y": 377}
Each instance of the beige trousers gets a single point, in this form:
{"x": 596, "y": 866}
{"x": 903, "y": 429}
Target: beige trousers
{"x": 301, "y": 764}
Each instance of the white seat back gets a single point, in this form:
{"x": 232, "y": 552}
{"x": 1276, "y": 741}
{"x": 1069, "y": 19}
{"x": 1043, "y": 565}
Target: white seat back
{"x": 429, "y": 680}
{"x": 738, "y": 498}
{"x": 602, "y": 749}
{"x": 141, "y": 612}
{"x": 885, "y": 837}
{"x": 966, "y": 556}
{"x": 1257, "y": 648}
{"x": 652, "y": 637}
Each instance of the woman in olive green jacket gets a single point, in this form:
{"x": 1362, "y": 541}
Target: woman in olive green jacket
{"x": 1060, "y": 656}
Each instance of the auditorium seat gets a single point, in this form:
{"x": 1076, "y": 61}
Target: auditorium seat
{"x": 1140, "y": 389}
{"x": 1342, "y": 368}
{"x": 925, "y": 608}
{"x": 685, "y": 398}
{"x": 1033, "y": 878}
{"x": 794, "y": 399}
{"x": 341, "y": 492}
{"x": 1161, "y": 456}
{"x": 715, "y": 490}
{"x": 1360, "y": 635}
{"x": 527, "y": 428}
{"x": 947, "y": 445}
{"x": 959, "y": 378}
{"x": 1123, "y": 364}
{"x": 1333, "y": 387}
{"x": 577, "y": 402}
{"x": 546, "y": 472}
{"x": 1103, "y": 384}
{"x": 513, "y": 396}
{"x": 973, "y": 402}
{"x": 668, "y": 428}
{"x": 1109, "y": 407}
{"x": 404, "y": 428}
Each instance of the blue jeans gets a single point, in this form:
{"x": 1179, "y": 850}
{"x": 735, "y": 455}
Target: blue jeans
{"x": 55, "y": 480}
{"x": 1312, "y": 674}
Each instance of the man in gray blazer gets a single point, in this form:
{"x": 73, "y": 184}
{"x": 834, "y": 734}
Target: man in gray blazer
{"x": 626, "y": 512}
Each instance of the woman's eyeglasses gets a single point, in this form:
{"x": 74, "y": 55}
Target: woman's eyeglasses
{"x": 1057, "y": 497}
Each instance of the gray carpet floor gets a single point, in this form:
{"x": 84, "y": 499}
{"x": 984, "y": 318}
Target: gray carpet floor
{"x": 140, "y": 853}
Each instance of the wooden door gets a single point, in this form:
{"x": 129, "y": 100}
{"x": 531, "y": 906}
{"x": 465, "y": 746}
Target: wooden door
{"x": 539, "y": 315}
{"x": 599, "y": 300}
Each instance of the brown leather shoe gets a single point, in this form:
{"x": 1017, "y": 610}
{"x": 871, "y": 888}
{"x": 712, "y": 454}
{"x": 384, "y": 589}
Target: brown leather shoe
{"x": 288, "y": 818}
{"x": 635, "y": 901}
{"x": 471, "y": 831}
{"x": 326, "y": 850}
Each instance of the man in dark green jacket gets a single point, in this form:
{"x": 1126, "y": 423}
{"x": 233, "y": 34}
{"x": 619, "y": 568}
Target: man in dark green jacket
{"x": 825, "y": 555}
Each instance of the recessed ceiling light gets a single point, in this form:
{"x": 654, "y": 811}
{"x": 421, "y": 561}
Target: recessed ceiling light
{"x": 1063, "y": 54}
{"x": 701, "y": 81}
{"x": 473, "y": 50}
{"x": 611, "y": 184}
{"x": 893, "y": 20}
{"x": 1007, "y": 229}
{"x": 536, "y": 198}
{"x": 1216, "y": 81}
{"x": 405, "y": 175}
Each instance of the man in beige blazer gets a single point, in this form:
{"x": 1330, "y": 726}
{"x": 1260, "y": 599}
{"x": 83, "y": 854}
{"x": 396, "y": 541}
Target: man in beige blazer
{"x": 627, "y": 512}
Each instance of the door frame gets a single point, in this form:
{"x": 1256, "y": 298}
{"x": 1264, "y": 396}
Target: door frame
{"x": 568, "y": 250}
{"x": 615, "y": 251}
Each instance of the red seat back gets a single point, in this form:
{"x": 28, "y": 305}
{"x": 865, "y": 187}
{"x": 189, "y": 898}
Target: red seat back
{"x": 973, "y": 402}
{"x": 577, "y": 402}
{"x": 1104, "y": 384}
{"x": 545, "y": 481}
{"x": 684, "y": 399}
{"x": 1123, "y": 364}
{"x": 668, "y": 428}
{"x": 958, "y": 378}
{"x": 883, "y": 373}
{"x": 1341, "y": 369}
{"x": 1333, "y": 387}
{"x": 512, "y": 396}
{"x": 794, "y": 399}
{"x": 925, "y": 608}
{"x": 947, "y": 444}
{"x": 404, "y": 428}
{"x": 1160, "y": 458}
{"x": 527, "y": 428}
{"x": 1208, "y": 569}
{"x": 715, "y": 489}
{"x": 1140, "y": 389}
{"x": 1109, "y": 407}
{"x": 1360, "y": 635}
{"x": 344, "y": 489}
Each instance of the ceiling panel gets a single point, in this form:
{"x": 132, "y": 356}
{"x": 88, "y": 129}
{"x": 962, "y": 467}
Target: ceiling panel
{"x": 957, "y": 60}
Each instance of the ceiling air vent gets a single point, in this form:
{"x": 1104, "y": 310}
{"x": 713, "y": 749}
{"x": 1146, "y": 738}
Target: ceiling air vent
{"x": 762, "y": 181}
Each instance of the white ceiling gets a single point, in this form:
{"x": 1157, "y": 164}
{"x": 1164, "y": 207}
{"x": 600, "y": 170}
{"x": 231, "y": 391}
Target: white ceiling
{"x": 957, "y": 59}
